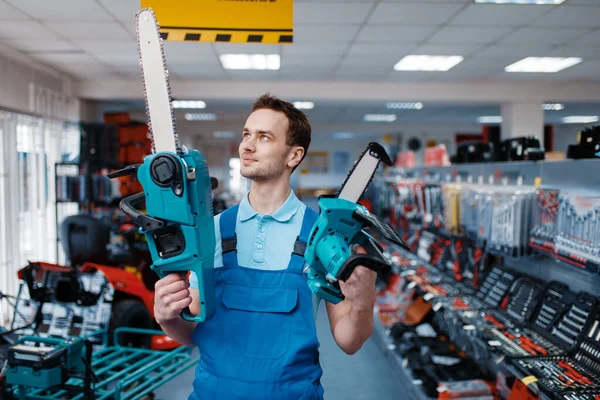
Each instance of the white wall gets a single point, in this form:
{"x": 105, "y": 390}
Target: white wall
{"x": 15, "y": 78}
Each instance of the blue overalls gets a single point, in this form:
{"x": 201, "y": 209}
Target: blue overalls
{"x": 262, "y": 342}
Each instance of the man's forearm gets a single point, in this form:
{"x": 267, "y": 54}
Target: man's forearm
{"x": 354, "y": 329}
{"x": 179, "y": 330}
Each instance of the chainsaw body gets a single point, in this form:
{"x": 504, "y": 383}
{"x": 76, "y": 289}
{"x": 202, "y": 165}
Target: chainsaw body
{"x": 329, "y": 256}
{"x": 178, "y": 223}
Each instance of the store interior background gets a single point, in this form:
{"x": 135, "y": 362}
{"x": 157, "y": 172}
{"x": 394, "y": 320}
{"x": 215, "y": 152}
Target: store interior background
{"x": 74, "y": 60}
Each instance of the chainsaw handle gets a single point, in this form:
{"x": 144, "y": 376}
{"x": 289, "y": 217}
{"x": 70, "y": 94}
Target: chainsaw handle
{"x": 373, "y": 260}
{"x": 146, "y": 222}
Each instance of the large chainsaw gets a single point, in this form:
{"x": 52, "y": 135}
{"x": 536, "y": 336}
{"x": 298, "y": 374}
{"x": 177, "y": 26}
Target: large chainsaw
{"x": 341, "y": 224}
{"x": 178, "y": 223}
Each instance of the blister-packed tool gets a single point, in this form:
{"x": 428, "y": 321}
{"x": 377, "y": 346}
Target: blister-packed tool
{"x": 178, "y": 223}
{"x": 341, "y": 224}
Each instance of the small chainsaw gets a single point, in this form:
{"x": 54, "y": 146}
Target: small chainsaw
{"x": 340, "y": 225}
{"x": 178, "y": 223}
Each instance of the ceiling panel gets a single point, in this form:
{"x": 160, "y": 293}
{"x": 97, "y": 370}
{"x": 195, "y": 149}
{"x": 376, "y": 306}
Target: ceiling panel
{"x": 195, "y": 71}
{"x": 186, "y": 53}
{"x": 89, "y": 30}
{"x": 592, "y": 38}
{"x": 110, "y": 47}
{"x": 425, "y": 14}
{"x": 62, "y": 10}
{"x": 447, "y": 49}
{"x": 320, "y": 34}
{"x": 465, "y": 34}
{"x": 304, "y": 73}
{"x": 8, "y": 12}
{"x": 320, "y": 12}
{"x": 498, "y": 15}
{"x": 40, "y": 46}
{"x": 570, "y": 16}
{"x": 241, "y": 48}
{"x": 316, "y": 60}
{"x": 25, "y": 30}
{"x": 124, "y": 10}
{"x": 304, "y": 49}
{"x": 376, "y": 49}
{"x": 383, "y": 61}
{"x": 542, "y": 36}
{"x": 513, "y": 52}
{"x": 381, "y": 34}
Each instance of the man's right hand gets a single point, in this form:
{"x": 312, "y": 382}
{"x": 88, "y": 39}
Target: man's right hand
{"x": 171, "y": 296}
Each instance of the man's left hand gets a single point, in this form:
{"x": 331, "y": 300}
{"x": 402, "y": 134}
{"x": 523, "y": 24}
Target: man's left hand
{"x": 359, "y": 288}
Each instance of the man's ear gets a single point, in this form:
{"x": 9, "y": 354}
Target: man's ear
{"x": 295, "y": 156}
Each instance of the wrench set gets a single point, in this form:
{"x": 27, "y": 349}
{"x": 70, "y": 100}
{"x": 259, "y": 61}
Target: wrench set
{"x": 543, "y": 231}
{"x": 577, "y": 238}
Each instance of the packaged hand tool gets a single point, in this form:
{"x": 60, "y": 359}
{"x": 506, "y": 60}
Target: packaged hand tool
{"x": 545, "y": 215}
{"x": 578, "y": 230}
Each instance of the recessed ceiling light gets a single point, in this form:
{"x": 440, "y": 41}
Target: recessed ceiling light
{"x": 553, "y": 106}
{"x": 200, "y": 117}
{"x": 250, "y": 61}
{"x": 534, "y": 2}
{"x": 404, "y": 106}
{"x": 490, "y": 119}
{"x": 342, "y": 135}
{"x": 224, "y": 134}
{"x": 543, "y": 64}
{"x": 427, "y": 63}
{"x": 189, "y": 104}
{"x": 580, "y": 119}
{"x": 304, "y": 105}
{"x": 380, "y": 117}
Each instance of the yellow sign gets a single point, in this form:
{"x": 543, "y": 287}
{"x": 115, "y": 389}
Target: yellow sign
{"x": 240, "y": 21}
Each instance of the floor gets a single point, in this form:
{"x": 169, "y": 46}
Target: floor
{"x": 362, "y": 376}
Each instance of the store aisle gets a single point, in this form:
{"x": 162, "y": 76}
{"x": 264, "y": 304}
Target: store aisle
{"x": 365, "y": 375}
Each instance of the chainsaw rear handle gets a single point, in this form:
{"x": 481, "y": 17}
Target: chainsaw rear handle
{"x": 149, "y": 224}
{"x": 373, "y": 260}
{"x": 146, "y": 222}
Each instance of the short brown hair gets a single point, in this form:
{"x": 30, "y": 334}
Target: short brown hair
{"x": 299, "y": 128}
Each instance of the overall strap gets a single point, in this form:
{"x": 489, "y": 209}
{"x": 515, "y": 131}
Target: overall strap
{"x": 227, "y": 224}
{"x": 297, "y": 260}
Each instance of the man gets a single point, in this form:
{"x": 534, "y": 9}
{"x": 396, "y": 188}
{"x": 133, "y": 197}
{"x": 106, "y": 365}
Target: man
{"x": 262, "y": 341}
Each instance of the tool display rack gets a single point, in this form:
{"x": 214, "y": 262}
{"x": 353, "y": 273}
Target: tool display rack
{"x": 534, "y": 317}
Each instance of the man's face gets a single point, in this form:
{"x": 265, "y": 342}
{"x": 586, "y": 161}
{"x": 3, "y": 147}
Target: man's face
{"x": 263, "y": 151}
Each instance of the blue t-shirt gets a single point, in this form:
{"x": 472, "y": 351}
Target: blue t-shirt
{"x": 264, "y": 241}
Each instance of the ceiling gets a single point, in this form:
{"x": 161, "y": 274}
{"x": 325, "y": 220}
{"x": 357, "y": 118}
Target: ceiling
{"x": 339, "y": 40}
{"x": 351, "y": 44}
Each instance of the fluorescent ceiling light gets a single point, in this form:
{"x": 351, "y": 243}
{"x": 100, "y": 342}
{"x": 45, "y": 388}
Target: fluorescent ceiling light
{"x": 380, "y": 117}
{"x": 580, "y": 119}
{"x": 427, "y": 63}
{"x": 224, "y": 134}
{"x": 490, "y": 119}
{"x": 404, "y": 106}
{"x": 534, "y": 2}
{"x": 200, "y": 117}
{"x": 553, "y": 106}
{"x": 342, "y": 135}
{"x": 188, "y": 104}
{"x": 250, "y": 61}
{"x": 304, "y": 105}
{"x": 543, "y": 64}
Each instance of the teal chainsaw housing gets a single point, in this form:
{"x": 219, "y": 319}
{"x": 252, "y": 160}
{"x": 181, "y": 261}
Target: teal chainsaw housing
{"x": 178, "y": 223}
{"x": 329, "y": 257}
